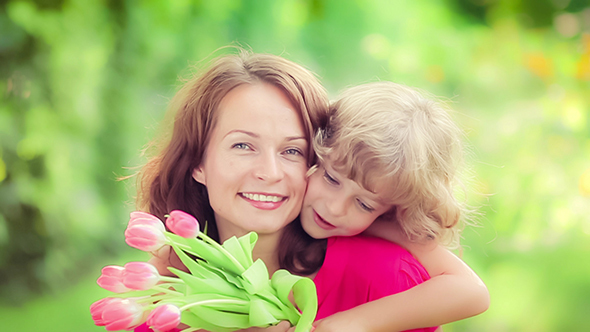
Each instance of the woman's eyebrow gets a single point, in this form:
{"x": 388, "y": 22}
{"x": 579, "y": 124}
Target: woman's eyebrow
{"x": 294, "y": 138}
{"x": 251, "y": 134}
{"x": 237, "y": 131}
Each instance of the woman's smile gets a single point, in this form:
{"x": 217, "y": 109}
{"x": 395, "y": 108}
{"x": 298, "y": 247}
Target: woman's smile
{"x": 264, "y": 201}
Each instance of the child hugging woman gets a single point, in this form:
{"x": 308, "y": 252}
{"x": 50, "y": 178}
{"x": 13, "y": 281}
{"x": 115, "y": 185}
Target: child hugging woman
{"x": 238, "y": 158}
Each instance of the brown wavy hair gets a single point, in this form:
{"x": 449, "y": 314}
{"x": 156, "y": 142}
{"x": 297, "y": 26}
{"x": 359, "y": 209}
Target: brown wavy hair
{"x": 166, "y": 183}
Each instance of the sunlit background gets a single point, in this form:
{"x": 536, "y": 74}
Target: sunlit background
{"x": 84, "y": 84}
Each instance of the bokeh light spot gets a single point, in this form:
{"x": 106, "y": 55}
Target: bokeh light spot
{"x": 585, "y": 183}
{"x": 567, "y": 25}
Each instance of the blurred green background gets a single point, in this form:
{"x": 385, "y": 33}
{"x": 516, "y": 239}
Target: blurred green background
{"x": 84, "y": 84}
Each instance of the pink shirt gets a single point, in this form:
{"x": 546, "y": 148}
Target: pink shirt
{"x": 361, "y": 269}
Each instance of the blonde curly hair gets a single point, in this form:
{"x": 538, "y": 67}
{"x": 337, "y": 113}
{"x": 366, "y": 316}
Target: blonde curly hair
{"x": 386, "y": 135}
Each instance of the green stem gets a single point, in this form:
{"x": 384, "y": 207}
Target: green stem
{"x": 189, "y": 329}
{"x": 167, "y": 291}
{"x": 194, "y": 304}
{"x": 135, "y": 293}
{"x": 174, "y": 280}
{"x": 219, "y": 247}
{"x": 151, "y": 298}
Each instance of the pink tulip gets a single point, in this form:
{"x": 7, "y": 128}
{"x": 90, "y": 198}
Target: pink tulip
{"x": 111, "y": 279}
{"x": 123, "y": 314}
{"x": 140, "y": 275}
{"x": 142, "y": 218}
{"x": 97, "y": 308}
{"x": 182, "y": 224}
{"x": 164, "y": 318}
{"x": 145, "y": 237}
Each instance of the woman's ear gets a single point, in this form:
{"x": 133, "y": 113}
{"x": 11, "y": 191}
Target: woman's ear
{"x": 199, "y": 175}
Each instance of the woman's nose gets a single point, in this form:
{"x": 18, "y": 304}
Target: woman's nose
{"x": 269, "y": 168}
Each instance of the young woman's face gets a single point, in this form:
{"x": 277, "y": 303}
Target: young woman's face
{"x": 254, "y": 165}
{"x": 335, "y": 205}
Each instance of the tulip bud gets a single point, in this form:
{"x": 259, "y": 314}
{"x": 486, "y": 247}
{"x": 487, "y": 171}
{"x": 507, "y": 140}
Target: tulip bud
{"x": 142, "y": 218}
{"x": 145, "y": 237}
{"x": 182, "y": 224}
{"x": 111, "y": 279}
{"x": 140, "y": 275}
{"x": 97, "y": 308}
{"x": 123, "y": 314}
{"x": 164, "y": 318}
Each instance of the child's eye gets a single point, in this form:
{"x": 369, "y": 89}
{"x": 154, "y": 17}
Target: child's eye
{"x": 330, "y": 179}
{"x": 365, "y": 206}
{"x": 241, "y": 146}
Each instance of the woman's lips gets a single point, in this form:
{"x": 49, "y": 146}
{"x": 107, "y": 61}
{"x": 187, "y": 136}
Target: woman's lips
{"x": 264, "y": 201}
{"x": 321, "y": 222}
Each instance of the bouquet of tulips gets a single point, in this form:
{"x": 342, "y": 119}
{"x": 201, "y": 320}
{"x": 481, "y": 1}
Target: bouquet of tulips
{"x": 225, "y": 290}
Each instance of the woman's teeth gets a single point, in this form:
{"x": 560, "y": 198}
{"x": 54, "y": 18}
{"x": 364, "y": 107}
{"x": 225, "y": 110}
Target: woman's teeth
{"x": 262, "y": 198}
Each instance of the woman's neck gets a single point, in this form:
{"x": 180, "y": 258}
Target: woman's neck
{"x": 267, "y": 248}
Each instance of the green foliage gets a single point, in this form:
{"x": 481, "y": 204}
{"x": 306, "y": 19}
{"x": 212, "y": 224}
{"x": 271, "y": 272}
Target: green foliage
{"x": 84, "y": 84}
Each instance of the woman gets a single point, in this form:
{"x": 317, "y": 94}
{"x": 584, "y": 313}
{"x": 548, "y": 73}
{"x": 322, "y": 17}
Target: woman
{"x": 239, "y": 153}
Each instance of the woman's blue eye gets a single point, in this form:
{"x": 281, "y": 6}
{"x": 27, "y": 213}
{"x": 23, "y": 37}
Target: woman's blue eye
{"x": 294, "y": 152}
{"x": 241, "y": 146}
{"x": 330, "y": 179}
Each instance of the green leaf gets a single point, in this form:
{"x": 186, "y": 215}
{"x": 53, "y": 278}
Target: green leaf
{"x": 224, "y": 319}
{"x": 283, "y": 311}
{"x": 236, "y": 280}
{"x": 192, "y": 265}
{"x": 217, "y": 256}
{"x": 196, "y": 285}
{"x": 248, "y": 242}
{"x": 282, "y": 281}
{"x": 260, "y": 315}
{"x": 256, "y": 277}
{"x": 305, "y": 295}
{"x": 225, "y": 303}
{"x": 194, "y": 321}
{"x": 233, "y": 246}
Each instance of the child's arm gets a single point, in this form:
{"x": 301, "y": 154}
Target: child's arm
{"x": 454, "y": 292}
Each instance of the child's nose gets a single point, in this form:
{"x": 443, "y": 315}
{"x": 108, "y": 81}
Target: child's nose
{"x": 337, "y": 206}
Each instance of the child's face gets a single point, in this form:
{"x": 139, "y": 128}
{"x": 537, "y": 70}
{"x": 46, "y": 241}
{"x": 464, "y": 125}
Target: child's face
{"x": 335, "y": 205}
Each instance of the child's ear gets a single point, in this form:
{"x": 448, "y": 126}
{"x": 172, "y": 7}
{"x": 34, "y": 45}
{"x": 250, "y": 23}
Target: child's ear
{"x": 199, "y": 175}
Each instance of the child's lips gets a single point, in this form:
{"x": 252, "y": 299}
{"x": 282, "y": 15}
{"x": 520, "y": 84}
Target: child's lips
{"x": 321, "y": 222}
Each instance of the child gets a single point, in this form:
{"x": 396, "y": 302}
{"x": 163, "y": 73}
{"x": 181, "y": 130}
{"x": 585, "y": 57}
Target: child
{"x": 390, "y": 154}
